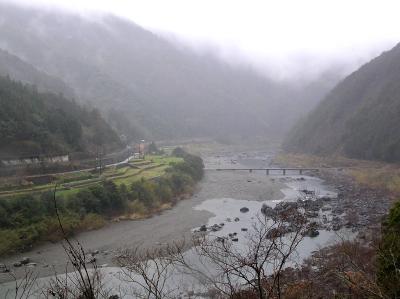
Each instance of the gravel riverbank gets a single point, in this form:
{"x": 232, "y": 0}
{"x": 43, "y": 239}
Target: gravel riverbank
{"x": 173, "y": 224}
{"x": 352, "y": 208}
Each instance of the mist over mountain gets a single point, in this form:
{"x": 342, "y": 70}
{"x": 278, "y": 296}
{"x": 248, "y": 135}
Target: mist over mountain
{"x": 19, "y": 70}
{"x": 147, "y": 86}
{"x": 359, "y": 118}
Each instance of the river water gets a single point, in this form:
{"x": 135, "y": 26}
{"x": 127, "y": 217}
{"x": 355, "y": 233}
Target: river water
{"x": 218, "y": 199}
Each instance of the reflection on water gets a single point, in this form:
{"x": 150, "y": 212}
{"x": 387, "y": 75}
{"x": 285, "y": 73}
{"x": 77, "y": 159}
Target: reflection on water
{"x": 229, "y": 219}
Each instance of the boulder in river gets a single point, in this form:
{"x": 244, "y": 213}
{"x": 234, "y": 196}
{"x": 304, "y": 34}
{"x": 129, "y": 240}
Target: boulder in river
{"x": 25, "y": 260}
{"x": 203, "y": 228}
{"x": 335, "y": 226}
{"x": 17, "y": 264}
{"x": 220, "y": 239}
{"x": 312, "y": 233}
{"x": 244, "y": 209}
{"x": 237, "y": 219}
{"x": 326, "y": 208}
{"x": 307, "y": 192}
{"x": 268, "y": 211}
{"x": 3, "y": 268}
{"x": 311, "y": 214}
{"x": 285, "y": 206}
{"x": 215, "y": 228}
{"x": 326, "y": 198}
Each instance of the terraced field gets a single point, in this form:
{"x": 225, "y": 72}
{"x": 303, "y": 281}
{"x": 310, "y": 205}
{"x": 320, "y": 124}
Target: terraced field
{"x": 70, "y": 183}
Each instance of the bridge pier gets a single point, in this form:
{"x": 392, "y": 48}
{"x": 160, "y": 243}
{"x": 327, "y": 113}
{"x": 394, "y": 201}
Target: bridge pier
{"x": 269, "y": 170}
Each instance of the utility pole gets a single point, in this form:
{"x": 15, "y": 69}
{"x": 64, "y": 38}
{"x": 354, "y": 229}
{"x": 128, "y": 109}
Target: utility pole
{"x": 97, "y": 157}
{"x": 99, "y": 160}
{"x": 142, "y": 148}
{"x": 100, "y": 163}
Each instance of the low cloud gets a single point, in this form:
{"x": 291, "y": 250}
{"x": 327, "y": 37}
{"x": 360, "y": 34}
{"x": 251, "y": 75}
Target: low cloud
{"x": 285, "y": 40}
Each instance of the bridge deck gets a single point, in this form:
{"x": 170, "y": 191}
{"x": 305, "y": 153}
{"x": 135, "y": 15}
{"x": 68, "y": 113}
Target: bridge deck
{"x": 267, "y": 170}
{"x": 264, "y": 169}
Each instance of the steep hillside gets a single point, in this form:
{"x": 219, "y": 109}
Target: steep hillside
{"x": 34, "y": 123}
{"x": 19, "y": 70}
{"x": 142, "y": 81}
{"x": 359, "y": 118}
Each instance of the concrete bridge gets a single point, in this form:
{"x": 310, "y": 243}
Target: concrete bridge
{"x": 267, "y": 170}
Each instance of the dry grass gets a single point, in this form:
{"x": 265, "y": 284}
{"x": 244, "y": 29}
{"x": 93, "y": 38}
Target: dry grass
{"x": 386, "y": 178}
{"x": 92, "y": 222}
{"x": 137, "y": 210}
{"x": 301, "y": 160}
{"x": 371, "y": 174}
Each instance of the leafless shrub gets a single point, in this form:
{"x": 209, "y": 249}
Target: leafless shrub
{"x": 255, "y": 265}
{"x": 23, "y": 287}
{"x": 346, "y": 270}
{"x": 148, "y": 271}
{"x": 82, "y": 283}
{"x": 357, "y": 271}
{"x": 78, "y": 284}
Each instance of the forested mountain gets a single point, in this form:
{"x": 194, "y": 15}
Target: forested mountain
{"x": 145, "y": 85}
{"x": 35, "y": 123}
{"x": 360, "y": 117}
{"x": 19, "y": 70}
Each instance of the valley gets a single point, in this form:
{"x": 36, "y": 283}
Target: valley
{"x": 217, "y": 198}
{"x": 189, "y": 149}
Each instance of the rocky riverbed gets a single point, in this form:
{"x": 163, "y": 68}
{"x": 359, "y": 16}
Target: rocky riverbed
{"x": 361, "y": 208}
{"x": 225, "y": 203}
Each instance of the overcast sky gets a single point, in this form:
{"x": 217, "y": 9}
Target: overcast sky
{"x": 282, "y": 36}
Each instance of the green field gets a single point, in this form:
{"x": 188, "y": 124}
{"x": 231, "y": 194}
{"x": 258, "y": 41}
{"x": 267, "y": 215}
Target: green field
{"x": 70, "y": 183}
{"x": 87, "y": 199}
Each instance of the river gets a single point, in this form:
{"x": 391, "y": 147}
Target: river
{"x": 218, "y": 199}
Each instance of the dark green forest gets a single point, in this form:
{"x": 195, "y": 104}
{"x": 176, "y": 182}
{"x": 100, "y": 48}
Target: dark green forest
{"x": 359, "y": 118}
{"x": 34, "y": 123}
